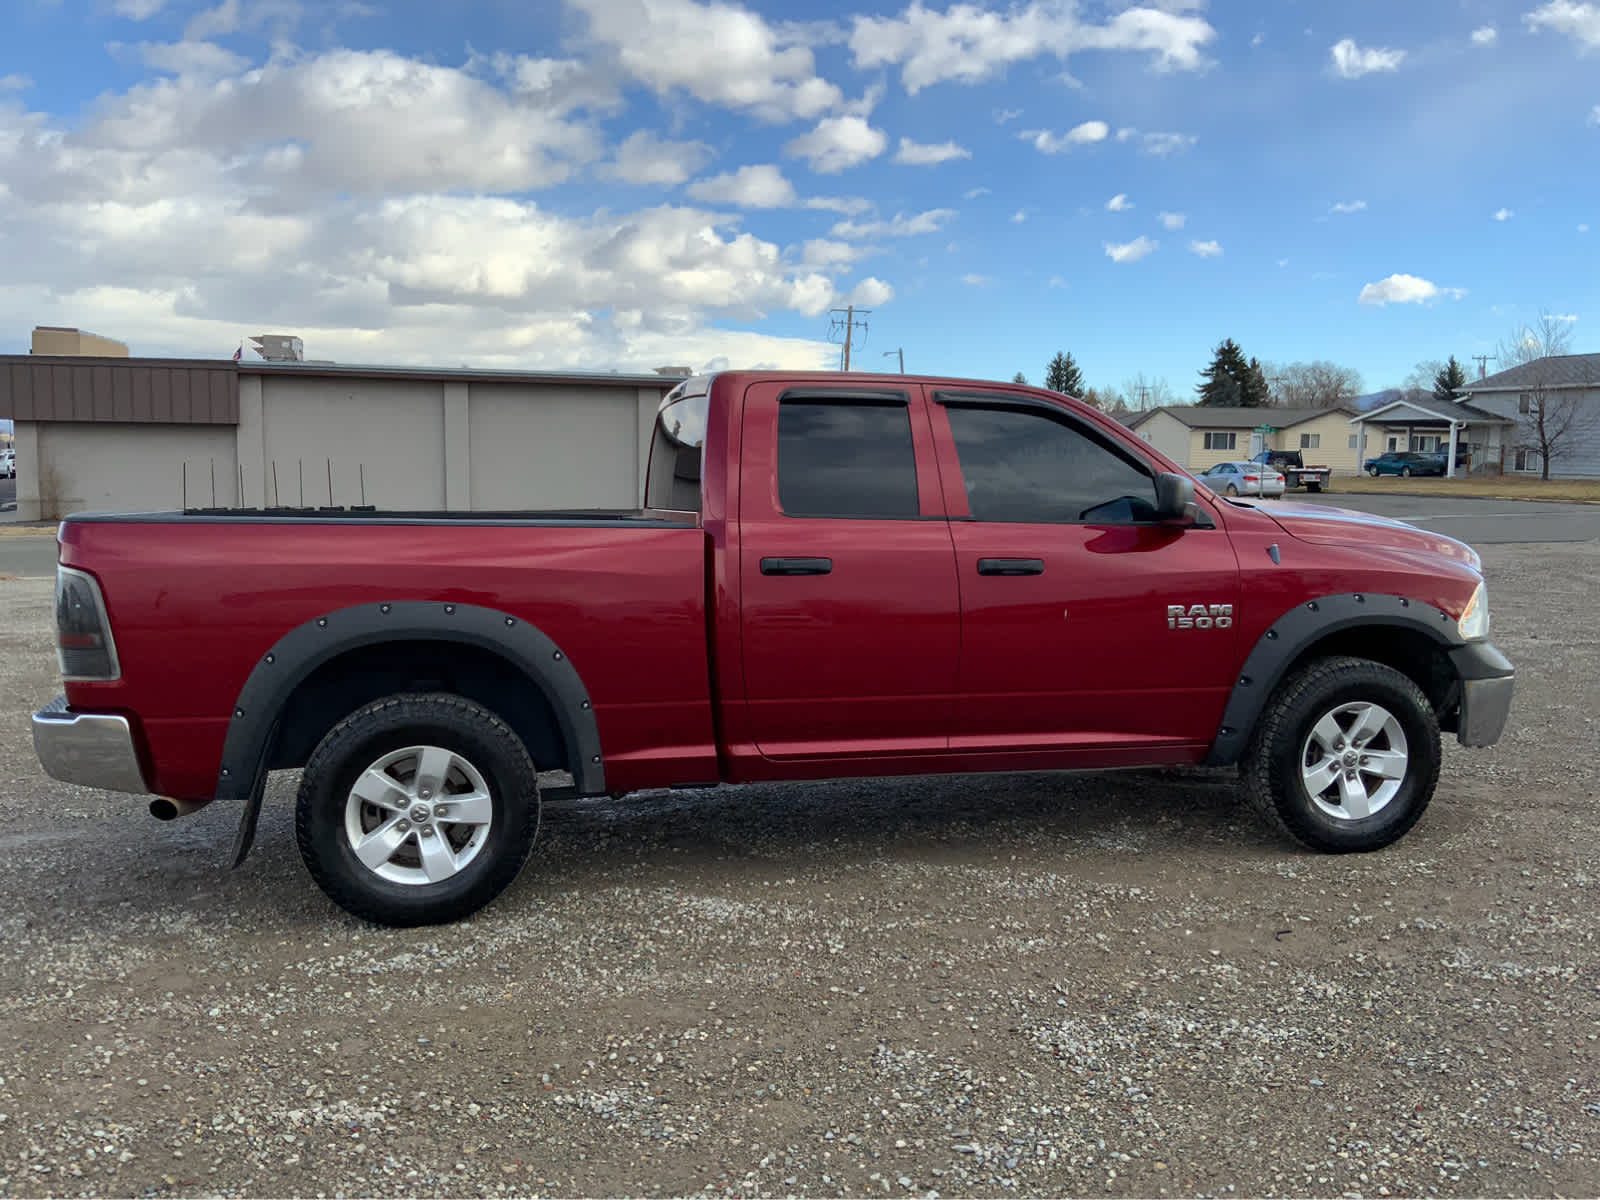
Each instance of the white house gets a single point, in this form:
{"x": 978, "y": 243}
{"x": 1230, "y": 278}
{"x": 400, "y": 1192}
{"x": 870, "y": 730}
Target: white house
{"x": 1569, "y": 387}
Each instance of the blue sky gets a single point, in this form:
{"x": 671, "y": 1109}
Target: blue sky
{"x": 631, "y": 183}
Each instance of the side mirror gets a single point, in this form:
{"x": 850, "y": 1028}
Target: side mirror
{"x": 1174, "y": 495}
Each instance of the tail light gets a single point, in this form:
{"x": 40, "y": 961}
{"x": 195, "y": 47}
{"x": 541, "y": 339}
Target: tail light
{"x": 84, "y": 647}
{"x": 1251, "y": 478}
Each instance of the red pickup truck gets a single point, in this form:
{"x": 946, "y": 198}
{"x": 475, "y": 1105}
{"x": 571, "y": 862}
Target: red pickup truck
{"x": 833, "y": 575}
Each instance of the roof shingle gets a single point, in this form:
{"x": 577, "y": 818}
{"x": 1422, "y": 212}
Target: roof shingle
{"x": 1558, "y": 370}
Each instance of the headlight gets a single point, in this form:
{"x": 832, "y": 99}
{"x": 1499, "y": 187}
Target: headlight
{"x": 1474, "y": 621}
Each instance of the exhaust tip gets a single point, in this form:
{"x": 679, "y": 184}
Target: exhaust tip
{"x": 163, "y": 809}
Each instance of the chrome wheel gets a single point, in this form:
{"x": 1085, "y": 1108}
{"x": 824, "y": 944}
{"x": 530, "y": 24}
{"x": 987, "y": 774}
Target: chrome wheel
{"x": 1354, "y": 760}
{"x": 418, "y": 815}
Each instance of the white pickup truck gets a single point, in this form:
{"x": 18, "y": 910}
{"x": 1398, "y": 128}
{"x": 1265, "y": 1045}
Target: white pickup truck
{"x": 1296, "y": 473}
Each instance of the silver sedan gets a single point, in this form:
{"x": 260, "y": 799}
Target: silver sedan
{"x": 1243, "y": 479}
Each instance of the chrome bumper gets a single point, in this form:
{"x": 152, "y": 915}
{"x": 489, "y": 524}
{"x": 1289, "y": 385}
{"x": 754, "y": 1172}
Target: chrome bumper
{"x": 1487, "y": 683}
{"x": 92, "y": 749}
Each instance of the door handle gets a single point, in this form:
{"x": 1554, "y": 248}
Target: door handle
{"x": 797, "y": 566}
{"x": 1011, "y": 566}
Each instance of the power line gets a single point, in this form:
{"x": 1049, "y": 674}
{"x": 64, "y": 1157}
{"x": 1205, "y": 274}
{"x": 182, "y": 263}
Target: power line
{"x": 1482, "y": 359}
{"x": 848, "y": 323}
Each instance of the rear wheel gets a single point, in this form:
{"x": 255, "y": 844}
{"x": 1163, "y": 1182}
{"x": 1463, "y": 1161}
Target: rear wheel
{"x": 417, "y": 809}
{"x": 1232, "y": 491}
{"x": 1405, "y": 472}
{"x": 1345, "y": 757}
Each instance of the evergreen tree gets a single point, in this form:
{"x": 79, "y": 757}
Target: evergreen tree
{"x": 1062, "y": 375}
{"x": 1449, "y": 378}
{"x": 1231, "y": 381}
{"x": 1019, "y": 377}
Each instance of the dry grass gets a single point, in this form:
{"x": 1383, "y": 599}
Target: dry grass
{"x": 1490, "y": 487}
{"x": 27, "y": 531}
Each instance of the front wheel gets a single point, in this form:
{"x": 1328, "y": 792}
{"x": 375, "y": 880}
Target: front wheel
{"x": 1405, "y": 472}
{"x": 417, "y": 809}
{"x": 1373, "y": 471}
{"x": 1345, "y": 757}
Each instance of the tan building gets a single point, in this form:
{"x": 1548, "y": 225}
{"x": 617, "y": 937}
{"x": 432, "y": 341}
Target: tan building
{"x": 121, "y": 434}
{"x": 1198, "y": 436}
{"x": 75, "y": 343}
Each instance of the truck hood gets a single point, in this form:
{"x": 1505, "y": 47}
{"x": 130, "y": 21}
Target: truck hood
{"x": 1347, "y": 526}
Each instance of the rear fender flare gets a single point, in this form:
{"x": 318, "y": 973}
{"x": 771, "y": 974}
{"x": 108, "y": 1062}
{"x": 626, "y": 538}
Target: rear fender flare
{"x": 1287, "y": 638}
{"x": 293, "y": 657}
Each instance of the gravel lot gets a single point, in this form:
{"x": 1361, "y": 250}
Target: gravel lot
{"x": 1108, "y": 985}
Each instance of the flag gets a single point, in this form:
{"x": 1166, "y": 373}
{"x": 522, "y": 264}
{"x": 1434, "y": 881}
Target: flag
{"x": 237, "y": 354}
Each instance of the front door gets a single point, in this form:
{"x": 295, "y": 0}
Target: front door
{"x": 1069, "y": 588}
{"x": 850, "y": 612}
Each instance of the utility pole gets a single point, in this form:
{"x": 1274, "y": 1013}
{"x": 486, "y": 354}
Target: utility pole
{"x": 848, "y": 323}
{"x": 1482, "y": 359}
{"x": 902, "y": 355}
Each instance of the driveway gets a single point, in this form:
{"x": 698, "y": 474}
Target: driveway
{"x": 1476, "y": 522}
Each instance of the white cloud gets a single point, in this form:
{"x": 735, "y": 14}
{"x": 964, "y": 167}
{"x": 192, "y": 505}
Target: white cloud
{"x": 1594, "y": 113}
{"x": 1578, "y": 19}
{"x": 1172, "y": 220}
{"x": 645, "y": 159}
{"x": 870, "y": 293}
{"x": 901, "y": 226}
{"x": 1351, "y": 61}
{"x": 1085, "y": 134}
{"x": 1504, "y": 214}
{"x": 923, "y": 154}
{"x": 1018, "y": 217}
{"x": 973, "y": 280}
{"x": 850, "y": 206}
{"x": 1583, "y": 228}
{"x": 968, "y": 44}
{"x": 1158, "y": 144}
{"x": 719, "y": 53}
{"x": 974, "y": 193}
{"x": 1211, "y": 249}
{"x": 15, "y": 83}
{"x": 138, "y": 10}
{"x": 1487, "y": 35}
{"x": 759, "y": 186}
{"x": 1349, "y": 206}
{"x": 1405, "y": 289}
{"x": 823, "y": 254}
{"x": 1257, "y": 40}
{"x": 838, "y": 143}
{"x": 1056, "y": 282}
{"x": 1567, "y": 317}
{"x": 192, "y": 59}
{"x": 185, "y": 212}
{"x": 1119, "y": 203}
{"x": 1002, "y": 115}
{"x": 1130, "y": 251}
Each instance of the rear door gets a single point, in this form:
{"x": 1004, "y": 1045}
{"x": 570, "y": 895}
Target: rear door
{"x": 850, "y": 612}
{"x": 1068, "y": 584}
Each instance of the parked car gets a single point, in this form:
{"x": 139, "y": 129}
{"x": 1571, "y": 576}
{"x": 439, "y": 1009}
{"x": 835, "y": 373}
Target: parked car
{"x": 1405, "y": 462}
{"x": 1243, "y": 479}
{"x": 1295, "y": 472}
{"x": 832, "y": 576}
{"x": 8, "y": 464}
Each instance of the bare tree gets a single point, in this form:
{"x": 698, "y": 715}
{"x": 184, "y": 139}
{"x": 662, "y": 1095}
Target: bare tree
{"x": 1319, "y": 384}
{"x": 1144, "y": 391}
{"x": 1550, "y": 420}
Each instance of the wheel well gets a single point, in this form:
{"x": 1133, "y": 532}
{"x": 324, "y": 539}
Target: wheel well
{"x": 1416, "y": 656}
{"x": 347, "y": 681}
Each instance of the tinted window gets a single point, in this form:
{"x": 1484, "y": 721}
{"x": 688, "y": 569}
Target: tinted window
{"x": 1024, "y": 466}
{"x": 846, "y": 460}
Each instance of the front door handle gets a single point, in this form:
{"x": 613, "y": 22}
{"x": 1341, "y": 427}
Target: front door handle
{"x": 797, "y": 566}
{"x": 1011, "y": 566}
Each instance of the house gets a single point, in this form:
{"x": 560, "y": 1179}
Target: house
{"x": 1198, "y": 436}
{"x": 1569, "y": 386}
{"x": 1421, "y": 423}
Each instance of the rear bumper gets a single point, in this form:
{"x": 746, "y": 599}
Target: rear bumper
{"x": 91, "y": 749}
{"x": 1487, "y": 682}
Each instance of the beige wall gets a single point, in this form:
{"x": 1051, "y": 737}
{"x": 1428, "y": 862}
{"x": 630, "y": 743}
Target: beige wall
{"x": 75, "y": 343}
{"x": 1168, "y": 435}
{"x": 70, "y": 467}
{"x": 1335, "y": 451}
{"x": 419, "y": 444}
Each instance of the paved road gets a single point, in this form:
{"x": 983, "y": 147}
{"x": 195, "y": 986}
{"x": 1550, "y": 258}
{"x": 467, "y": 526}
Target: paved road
{"x": 1477, "y": 522}
{"x": 8, "y": 494}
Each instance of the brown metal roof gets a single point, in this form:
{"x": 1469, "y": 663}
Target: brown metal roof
{"x": 181, "y": 391}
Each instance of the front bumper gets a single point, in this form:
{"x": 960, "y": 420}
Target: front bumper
{"x": 1487, "y": 682}
{"x": 92, "y": 749}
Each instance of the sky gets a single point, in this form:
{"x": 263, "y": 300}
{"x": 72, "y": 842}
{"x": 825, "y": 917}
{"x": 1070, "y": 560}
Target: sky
{"x": 627, "y": 184}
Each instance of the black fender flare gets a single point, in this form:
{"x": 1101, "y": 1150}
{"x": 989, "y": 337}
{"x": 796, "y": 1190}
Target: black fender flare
{"x": 1287, "y": 638}
{"x": 242, "y": 774}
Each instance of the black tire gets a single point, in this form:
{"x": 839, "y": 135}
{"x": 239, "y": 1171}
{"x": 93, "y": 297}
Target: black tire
{"x": 1373, "y": 471}
{"x": 1405, "y": 472}
{"x": 1313, "y": 487}
{"x": 1232, "y": 491}
{"x": 1273, "y": 759}
{"x": 445, "y": 720}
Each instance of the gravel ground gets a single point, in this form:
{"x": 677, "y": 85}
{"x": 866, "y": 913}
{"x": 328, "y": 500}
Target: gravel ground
{"x": 1113, "y": 985}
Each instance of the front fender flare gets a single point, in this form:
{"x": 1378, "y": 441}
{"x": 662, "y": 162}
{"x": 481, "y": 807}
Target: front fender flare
{"x": 1288, "y": 637}
{"x": 293, "y": 657}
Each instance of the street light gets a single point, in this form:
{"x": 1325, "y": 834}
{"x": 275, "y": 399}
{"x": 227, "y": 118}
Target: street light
{"x": 902, "y": 355}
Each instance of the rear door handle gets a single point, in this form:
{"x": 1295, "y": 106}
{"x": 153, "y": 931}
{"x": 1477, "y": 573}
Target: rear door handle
{"x": 1011, "y": 566}
{"x": 797, "y": 566}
